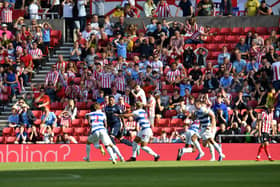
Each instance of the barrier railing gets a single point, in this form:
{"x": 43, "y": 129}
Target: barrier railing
{"x": 239, "y": 135}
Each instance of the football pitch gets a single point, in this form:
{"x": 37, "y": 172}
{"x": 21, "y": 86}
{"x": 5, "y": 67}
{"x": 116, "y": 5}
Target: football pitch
{"x": 142, "y": 173}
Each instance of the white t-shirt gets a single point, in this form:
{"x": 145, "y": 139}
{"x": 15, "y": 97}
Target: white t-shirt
{"x": 33, "y": 11}
{"x": 141, "y": 96}
{"x": 86, "y": 35}
{"x": 68, "y": 10}
{"x": 81, "y": 8}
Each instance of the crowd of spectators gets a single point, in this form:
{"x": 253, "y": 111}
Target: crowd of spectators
{"x": 161, "y": 67}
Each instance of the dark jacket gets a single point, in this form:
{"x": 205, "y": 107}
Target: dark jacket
{"x": 30, "y": 116}
{"x": 229, "y": 8}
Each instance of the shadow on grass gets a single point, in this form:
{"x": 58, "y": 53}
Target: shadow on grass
{"x": 235, "y": 176}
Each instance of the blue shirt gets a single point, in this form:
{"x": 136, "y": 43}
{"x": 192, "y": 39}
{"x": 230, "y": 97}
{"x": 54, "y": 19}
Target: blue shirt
{"x": 239, "y": 65}
{"x": 151, "y": 28}
{"x": 222, "y": 56}
{"x": 226, "y": 82}
{"x": 222, "y": 107}
{"x": 25, "y": 118}
{"x": 183, "y": 88}
{"x": 251, "y": 66}
{"x": 96, "y": 120}
{"x": 50, "y": 119}
{"x": 243, "y": 48}
{"x": 14, "y": 119}
{"x": 135, "y": 75}
{"x": 46, "y": 35}
{"x": 121, "y": 49}
{"x": 112, "y": 119}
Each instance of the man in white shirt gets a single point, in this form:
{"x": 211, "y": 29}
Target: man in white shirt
{"x": 68, "y": 16}
{"x": 33, "y": 10}
{"x": 82, "y": 14}
{"x": 98, "y": 7}
{"x": 87, "y": 32}
{"x": 139, "y": 95}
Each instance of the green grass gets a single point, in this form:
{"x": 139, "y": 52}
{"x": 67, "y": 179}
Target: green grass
{"x": 142, "y": 174}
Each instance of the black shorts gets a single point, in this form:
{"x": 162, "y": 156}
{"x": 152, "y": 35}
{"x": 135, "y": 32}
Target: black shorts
{"x": 115, "y": 130}
{"x": 265, "y": 137}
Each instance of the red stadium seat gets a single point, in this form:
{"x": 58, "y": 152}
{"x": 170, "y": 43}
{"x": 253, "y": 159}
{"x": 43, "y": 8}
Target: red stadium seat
{"x": 37, "y": 122}
{"x": 168, "y": 130}
{"x": 82, "y": 113}
{"x": 83, "y": 139}
{"x": 259, "y": 110}
{"x": 57, "y": 130}
{"x": 10, "y": 139}
{"x": 237, "y": 31}
{"x": 69, "y": 131}
{"x": 58, "y": 112}
{"x": 232, "y": 39}
{"x": 225, "y": 31}
{"x": 156, "y": 131}
{"x": 176, "y": 122}
{"x": 164, "y": 122}
{"x": 249, "y": 29}
{"x": 37, "y": 113}
{"x": 215, "y": 30}
{"x": 270, "y": 29}
{"x": 81, "y": 105}
{"x": 169, "y": 113}
{"x": 2, "y": 139}
{"x": 85, "y": 123}
{"x": 8, "y": 131}
{"x": 261, "y": 30}
{"x": 76, "y": 123}
{"x": 79, "y": 131}
{"x": 219, "y": 39}
{"x": 212, "y": 47}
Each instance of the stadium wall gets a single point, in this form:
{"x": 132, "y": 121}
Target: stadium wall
{"x": 75, "y": 152}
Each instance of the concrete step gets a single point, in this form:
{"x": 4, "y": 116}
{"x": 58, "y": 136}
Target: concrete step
{"x": 62, "y": 52}
{"x": 65, "y": 48}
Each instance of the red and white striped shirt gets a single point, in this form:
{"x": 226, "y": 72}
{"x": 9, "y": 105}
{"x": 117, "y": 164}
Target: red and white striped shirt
{"x": 52, "y": 77}
{"x": 173, "y": 75}
{"x": 61, "y": 66}
{"x": 267, "y": 119}
{"x": 276, "y": 71}
{"x": 126, "y": 99}
{"x": 163, "y": 10}
{"x": 73, "y": 91}
{"x": 151, "y": 109}
{"x": 258, "y": 53}
{"x": 7, "y": 15}
{"x": 197, "y": 33}
{"x": 157, "y": 66}
{"x": 124, "y": 106}
{"x": 106, "y": 80}
{"x": 130, "y": 125}
{"x": 120, "y": 83}
{"x": 36, "y": 53}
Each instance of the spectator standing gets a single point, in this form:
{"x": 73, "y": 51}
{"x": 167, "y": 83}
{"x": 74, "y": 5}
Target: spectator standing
{"x": 46, "y": 30}
{"x": 221, "y": 106}
{"x": 205, "y": 8}
{"x": 37, "y": 56}
{"x": 55, "y": 7}
{"x": 163, "y": 9}
{"x": 186, "y": 7}
{"x": 68, "y": 16}
{"x": 263, "y": 10}
{"x": 98, "y": 7}
{"x": 148, "y": 7}
{"x": 226, "y": 8}
{"x": 33, "y": 10}
{"x": 251, "y": 7}
{"x": 7, "y": 15}
{"x": 276, "y": 75}
{"x": 151, "y": 107}
{"x": 82, "y": 13}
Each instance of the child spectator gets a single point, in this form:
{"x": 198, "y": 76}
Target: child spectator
{"x": 21, "y": 136}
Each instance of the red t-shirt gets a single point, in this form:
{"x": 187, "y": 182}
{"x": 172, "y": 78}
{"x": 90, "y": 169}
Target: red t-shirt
{"x": 45, "y": 99}
{"x": 26, "y": 60}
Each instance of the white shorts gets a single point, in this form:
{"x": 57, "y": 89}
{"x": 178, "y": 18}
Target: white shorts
{"x": 100, "y": 135}
{"x": 145, "y": 134}
{"x": 189, "y": 135}
{"x": 207, "y": 133}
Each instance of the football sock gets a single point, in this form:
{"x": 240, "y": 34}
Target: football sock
{"x": 126, "y": 142}
{"x": 212, "y": 152}
{"x": 197, "y": 145}
{"x": 88, "y": 150}
{"x": 149, "y": 150}
{"x": 266, "y": 149}
{"x": 116, "y": 150}
{"x": 134, "y": 149}
{"x": 111, "y": 153}
{"x": 187, "y": 150}
{"x": 218, "y": 148}
{"x": 260, "y": 150}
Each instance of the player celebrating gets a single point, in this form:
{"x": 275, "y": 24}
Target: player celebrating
{"x": 208, "y": 129}
{"x": 114, "y": 121}
{"x": 97, "y": 120}
{"x": 191, "y": 139}
{"x": 264, "y": 131}
{"x": 144, "y": 132}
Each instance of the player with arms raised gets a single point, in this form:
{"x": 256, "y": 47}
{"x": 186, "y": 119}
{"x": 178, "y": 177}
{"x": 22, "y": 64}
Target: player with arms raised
{"x": 144, "y": 132}
{"x": 192, "y": 136}
{"x": 208, "y": 129}
{"x": 97, "y": 121}
{"x": 264, "y": 131}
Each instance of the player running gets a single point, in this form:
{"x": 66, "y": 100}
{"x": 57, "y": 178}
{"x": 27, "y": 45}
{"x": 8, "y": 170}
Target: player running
{"x": 144, "y": 132}
{"x": 264, "y": 131}
{"x": 97, "y": 121}
{"x": 192, "y": 136}
{"x": 208, "y": 129}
